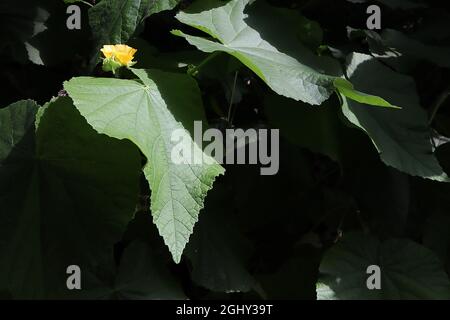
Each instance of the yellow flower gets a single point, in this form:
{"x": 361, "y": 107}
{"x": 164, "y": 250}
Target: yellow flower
{"x": 120, "y": 53}
{"x": 107, "y": 51}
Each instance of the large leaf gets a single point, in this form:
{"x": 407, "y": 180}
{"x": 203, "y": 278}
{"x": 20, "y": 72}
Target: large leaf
{"x": 408, "y": 270}
{"x": 140, "y": 275}
{"x": 218, "y": 251}
{"x": 20, "y": 26}
{"x": 147, "y": 113}
{"x": 30, "y": 35}
{"x": 394, "y": 46}
{"x": 116, "y": 21}
{"x": 296, "y": 277}
{"x": 401, "y": 136}
{"x": 317, "y": 129}
{"x": 436, "y": 236}
{"x": 301, "y": 78}
{"x": 284, "y": 63}
{"x": 66, "y": 196}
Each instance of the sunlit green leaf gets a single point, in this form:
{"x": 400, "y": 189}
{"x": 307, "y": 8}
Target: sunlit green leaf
{"x": 147, "y": 113}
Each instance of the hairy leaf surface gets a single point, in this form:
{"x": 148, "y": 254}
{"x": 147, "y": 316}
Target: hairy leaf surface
{"x": 147, "y": 113}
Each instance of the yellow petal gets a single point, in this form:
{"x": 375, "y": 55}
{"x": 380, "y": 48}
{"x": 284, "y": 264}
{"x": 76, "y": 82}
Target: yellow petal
{"x": 107, "y": 51}
{"x": 124, "y": 54}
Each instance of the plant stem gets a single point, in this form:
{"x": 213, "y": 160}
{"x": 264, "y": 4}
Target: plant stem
{"x": 231, "y": 116}
{"x": 196, "y": 69}
{"x": 85, "y": 2}
{"x": 439, "y": 102}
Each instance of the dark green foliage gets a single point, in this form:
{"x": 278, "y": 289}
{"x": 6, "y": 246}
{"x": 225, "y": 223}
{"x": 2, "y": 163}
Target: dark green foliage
{"x": 364, "y": 120}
